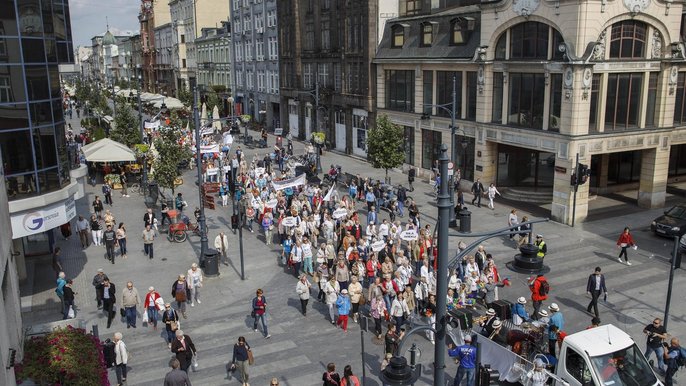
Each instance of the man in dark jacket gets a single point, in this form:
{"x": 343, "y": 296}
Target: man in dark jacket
{"x": 595, "y": 287}
{"x": 478, "y": 190}
{"x": 176, "y": 377}
{"x": 184, "y": 349}
{"x": 108, "y": 300}
{"x": 68, "y": 297}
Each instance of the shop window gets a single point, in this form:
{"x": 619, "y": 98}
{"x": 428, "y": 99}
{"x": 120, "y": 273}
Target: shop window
{"x": 677, "y": 160}
{"x": 623, "y": 101}
{"x": 409, "y": 145}
{"x": 680, "y": 100}
{"x": 624, "y": 167}
{"x": 627, "y": 40}
{"x": 526, "y": 100}
{"x": 497, "y": 98}
{"x": 431, "y": 147}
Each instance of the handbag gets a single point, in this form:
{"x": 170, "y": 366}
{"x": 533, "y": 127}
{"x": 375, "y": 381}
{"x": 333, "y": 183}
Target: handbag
{"x": 251, "y": 358}
{"x": 175, "y": 325}
{"x": 122, "y": 311}
{"x": 363, "y": 300}
{"x": 195, "y": 362}
{"x": 71, "y": 314}
{"x": 145, "y": 317}
{"x": 386, "y": 315}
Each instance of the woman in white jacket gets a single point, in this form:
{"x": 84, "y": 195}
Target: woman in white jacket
{"x": 492, "y": 191}
{"x": 121, "y": 357}
{"x": 331, "y": 290}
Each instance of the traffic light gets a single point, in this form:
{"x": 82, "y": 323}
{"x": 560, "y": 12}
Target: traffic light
{"x": 582, "y": 173}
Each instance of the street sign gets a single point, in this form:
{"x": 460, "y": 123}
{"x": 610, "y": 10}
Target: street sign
{"x": 451, "y": 171}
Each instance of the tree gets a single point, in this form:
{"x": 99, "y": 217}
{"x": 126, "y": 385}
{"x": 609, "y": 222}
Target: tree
{"x": 385, "y": 145}
{"x": 185, "y": 96}
{"x": 126, "y": 128}
{"x": 212, "y": 100}
{"x": 169, "y": 153}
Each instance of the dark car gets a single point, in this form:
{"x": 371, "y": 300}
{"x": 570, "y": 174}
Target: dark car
{"x": 672, "y": 223}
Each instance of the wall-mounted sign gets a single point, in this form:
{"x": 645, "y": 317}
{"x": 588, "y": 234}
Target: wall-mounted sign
{"x": 37, "y": 221}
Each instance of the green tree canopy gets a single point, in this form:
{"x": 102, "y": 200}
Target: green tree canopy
{"x": 126, "y": 126}
{"x": 169, "y": 154}
{"x": 214, "y": 100}
{"x": 385, "y": 144}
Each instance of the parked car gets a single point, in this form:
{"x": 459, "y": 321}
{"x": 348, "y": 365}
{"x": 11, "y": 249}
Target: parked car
{"x": 672, "y": 223}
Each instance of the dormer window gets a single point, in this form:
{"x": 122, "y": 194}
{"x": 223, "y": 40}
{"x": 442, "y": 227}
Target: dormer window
{"x": 460, "y": 29}
{"x": 398, "y": 32}
{"x": 427, "y": 34}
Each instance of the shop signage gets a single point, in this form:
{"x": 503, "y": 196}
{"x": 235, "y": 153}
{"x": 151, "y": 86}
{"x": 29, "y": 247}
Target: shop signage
{"x": 37, "y": 221}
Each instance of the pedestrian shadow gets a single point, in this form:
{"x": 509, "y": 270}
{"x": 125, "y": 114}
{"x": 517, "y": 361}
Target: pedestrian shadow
{"x": 606, "y": 256}
{"x": 295, "y": 304}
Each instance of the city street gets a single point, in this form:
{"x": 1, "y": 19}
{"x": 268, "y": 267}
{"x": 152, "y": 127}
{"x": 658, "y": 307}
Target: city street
{"x": 301, "y": 347}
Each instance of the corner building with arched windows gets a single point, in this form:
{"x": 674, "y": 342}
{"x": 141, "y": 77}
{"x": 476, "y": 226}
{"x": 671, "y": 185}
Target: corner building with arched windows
{"x": 538, "y": 82}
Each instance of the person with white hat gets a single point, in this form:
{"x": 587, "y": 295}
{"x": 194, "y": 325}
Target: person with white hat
{"x": 487, "y": 324}
{"x": 538, "y": 376}
{"x": 466, "y": 355}
{"x": 558, "y": 321}
{"x": 519, "y": 314}
{"x": 343, "y": 305}
{"x": 543, "y": 319}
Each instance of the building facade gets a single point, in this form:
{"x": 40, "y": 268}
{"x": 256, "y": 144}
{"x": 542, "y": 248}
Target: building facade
{"x": 41, "y": 181}
{"x": 214, "y": 57}
{"x": 163, "y": 67}
{"x": 152, "y": 14}
{"x": 188, "y": 18}
{"x": 538, "y": 83}
{"x": 326, "y": 53}
{"x": 256, "y": 60}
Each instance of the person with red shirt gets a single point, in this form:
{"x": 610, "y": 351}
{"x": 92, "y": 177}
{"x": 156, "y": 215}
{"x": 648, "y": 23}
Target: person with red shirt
{"x": 625, "y": 241}
{"x": 151, "y": 306}
{"x": 537, "y": 295}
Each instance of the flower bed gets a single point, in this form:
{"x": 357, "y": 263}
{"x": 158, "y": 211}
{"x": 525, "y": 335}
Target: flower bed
{"x": 65, "y": 356}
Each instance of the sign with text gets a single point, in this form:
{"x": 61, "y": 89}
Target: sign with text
{"x": 41, "y": 220}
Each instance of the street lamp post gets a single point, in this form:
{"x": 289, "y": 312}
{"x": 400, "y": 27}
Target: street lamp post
{"x": 142, "y": 129}
{"x": 239, "y": 220}
{"x": 444, "y": 206}
{"x": 201, "y": 218}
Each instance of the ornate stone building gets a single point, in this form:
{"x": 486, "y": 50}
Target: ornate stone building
{"x": 538, "y": 82}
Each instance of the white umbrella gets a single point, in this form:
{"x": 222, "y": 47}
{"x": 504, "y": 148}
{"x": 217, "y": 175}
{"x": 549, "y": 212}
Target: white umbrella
{"x": 203, "y": 115}
{"x": 216, "y": 123}
{"x": 107, "y": 150}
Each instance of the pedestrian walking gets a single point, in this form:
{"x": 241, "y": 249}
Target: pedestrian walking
{"x": 82, "y": 229}
{"x": 194, "y": 279}
{"x": 98, "y": 207}
{"x": 259, "y": 312}
{"x": 349, "y": 379}
{"x": 184, "y": 349}
{"x": 356, "y": 297}
{"x": 411, "y": 174}
{"x": 330, "y": 376}
{"x": 130, "y": 300}
{"x": 59, "y": 290}
{"x": 152, "y": 305}
{"x": 625, "y": 241}
{"x": 170, "y": 318}
{"x": 121, "y": 358}
{"x": 539, "y": 292}
{"x": 595, "y": 287}
{"x": 466, "y": 355}
{"x": 524, "y": 235}
{"x": 108, "y": 299}
{"x": 110, "y": 238}
{"x": 148, "y": 237}
{"x": 57, "y": 261}
{"x": 221, "y": 243}
{"x": 343, "y": 306}
{"x": 121, "y": 239}
{"x": 176, "y": 377}
{"x": 392, "y": 339}
{"x": 124, "y": 182}
{"x": 180, "y": 203}
{"x": 96, "y": 230}
{"x": 331, "y": 290}
{"x": 656, "y": 333}
{"x": 555, "y": 325}
{"x": 492, "y": 192}
{"x": 378, "y": 311}
{"x": 241, "y": 359}
{"x": 512, "y": 221}
{"x": 107, "y": 192}
{"x": 672, "y": 353}
{"x": 478, "y": 191}
{"x": 98, "y": 281}
{"x": 68, "y": 300}
{"x": 181, "y": 293}
{"x": 268, "y": 227}
{"x": 303, "y": 291}
{"x": 149, "y": 218}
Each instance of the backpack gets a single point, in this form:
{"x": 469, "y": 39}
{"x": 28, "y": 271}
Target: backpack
{"x": 544, "y": 288}
{"x": 681, "y": 358}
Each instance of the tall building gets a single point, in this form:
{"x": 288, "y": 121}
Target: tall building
{"x": 326, "y": 54}
{"x": 41, "y": 180}
{"x": 163, "y": 67}
{"x": 256, "y": 60}
{"x": 188, "y": 18}
{"x": 538, "y": 83}
{"x": 214, "y": 57}
{"x": 152, "y": 15}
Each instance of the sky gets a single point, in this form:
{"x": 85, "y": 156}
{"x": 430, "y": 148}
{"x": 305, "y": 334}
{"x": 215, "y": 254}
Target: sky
{"x": 89, "y": 18}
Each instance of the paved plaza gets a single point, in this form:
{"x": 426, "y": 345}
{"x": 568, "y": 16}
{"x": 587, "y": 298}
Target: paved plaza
{"x": 301, "y": 347}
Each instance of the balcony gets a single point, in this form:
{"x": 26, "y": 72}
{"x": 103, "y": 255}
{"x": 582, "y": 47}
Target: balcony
{"x": 206, "y": 66}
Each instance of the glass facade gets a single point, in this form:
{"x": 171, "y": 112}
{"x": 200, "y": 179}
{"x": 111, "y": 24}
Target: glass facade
{"x": 524, "y": 167}
{"x": 35, "y": 35}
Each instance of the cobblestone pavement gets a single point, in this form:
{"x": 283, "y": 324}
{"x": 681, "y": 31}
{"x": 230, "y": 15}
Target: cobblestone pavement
{"x": 301, "y": 347}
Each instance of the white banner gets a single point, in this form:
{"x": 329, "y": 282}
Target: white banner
{"x": 379, "y": 245}
{"x": 152, "y": 125}
{"x": 207, "y": 131}
{"x": 409, "y": 235}
{"x": 259, "y": 171}
{"x": 327, "y": 198}
{"x": 209, "y": 149}
{"x": 289, "y": 183}
{"x": 339, "y": 213}
{"x": 272, "y": 203}
{"x": 228, "y": 139}
{"x": 212, "y": 171}
{"x": 289, "y": 222}
{"x": 37, "y": 221}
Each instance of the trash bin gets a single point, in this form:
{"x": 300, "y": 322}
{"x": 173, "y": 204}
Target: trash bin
{"x": 465, "y": 218}
{"x": 211, "y": 263}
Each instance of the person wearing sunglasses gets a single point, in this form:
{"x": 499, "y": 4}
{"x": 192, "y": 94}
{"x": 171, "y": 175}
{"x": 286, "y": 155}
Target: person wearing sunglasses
{"x": 656, "y": 333}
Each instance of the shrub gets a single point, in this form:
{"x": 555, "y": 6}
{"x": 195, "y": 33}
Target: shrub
{"x": 65, "y": 356}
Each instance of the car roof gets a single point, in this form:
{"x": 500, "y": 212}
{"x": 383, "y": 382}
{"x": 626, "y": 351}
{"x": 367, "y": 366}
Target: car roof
{"x": 599, "y": 341}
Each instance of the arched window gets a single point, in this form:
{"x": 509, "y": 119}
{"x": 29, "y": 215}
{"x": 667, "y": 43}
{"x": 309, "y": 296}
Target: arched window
{"x": 627, "y": 40}
{"x": 529, "y": 41}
